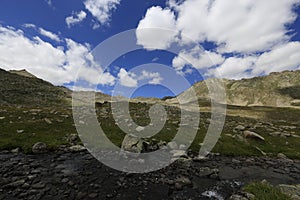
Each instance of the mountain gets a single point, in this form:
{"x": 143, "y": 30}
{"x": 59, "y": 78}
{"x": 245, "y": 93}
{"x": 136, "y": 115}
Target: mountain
{"x": 23, "y": 88}
{"x": 279, "y": 89}
{"x": 19, "y": 87}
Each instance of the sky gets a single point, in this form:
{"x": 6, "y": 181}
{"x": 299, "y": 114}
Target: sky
{"x": 154, "y": 48}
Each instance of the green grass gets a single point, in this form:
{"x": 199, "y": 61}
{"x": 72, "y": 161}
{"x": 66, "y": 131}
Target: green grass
{"x": 265, "y": 191}
{"x": 55, "y": 134}
{"x": 34, "y": 127}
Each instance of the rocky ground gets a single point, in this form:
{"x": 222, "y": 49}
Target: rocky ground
{"x": 78, "y": 175}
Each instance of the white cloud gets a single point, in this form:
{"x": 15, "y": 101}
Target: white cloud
{"x": 130, "y": 79}
{"x": 101, "y": 9}
{"x": 198, "y": 57}
{"x": 155, "y": 77}
{"x": 127, "y": 79}
{"x": 54, "y": 64}
{"x": 257, "y": 31}
{"x": 157, "y": 18}
{"x": 234, "y": 68}
{"x": 283, "y": 57}
{"x": 49, "y": 34}
{"x": 28, "y": 25}
{"x": 235, "y": 26}
{"x": 75, "y": 18}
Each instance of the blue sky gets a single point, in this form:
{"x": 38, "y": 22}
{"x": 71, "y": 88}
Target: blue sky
{"x": 232, "y": 39}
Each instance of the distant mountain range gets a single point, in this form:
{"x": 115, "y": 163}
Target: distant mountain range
{"x": 278, "y": 89}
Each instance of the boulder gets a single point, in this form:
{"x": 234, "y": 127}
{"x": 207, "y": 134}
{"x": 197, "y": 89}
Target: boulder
{"x": 39, "y": 147}
{"x": 132, "y": 144}
{"x": 291, "y": 190}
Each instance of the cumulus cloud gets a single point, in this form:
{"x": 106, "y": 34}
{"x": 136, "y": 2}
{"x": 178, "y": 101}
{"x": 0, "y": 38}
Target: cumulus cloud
{"x": 153, "y": 77}
{"x": 61, "y": 66}
{"x": 234, "y": 68}
{"x": 75, "y": 18}
{"x": 254, "y": 30}
{"x": 127, "y": 79}
{"x": 101, "y": 9}
{"x": 282, "y": 57}
{"x": 198, "y": 58}
{"x": 130, "y": 79}
{"x": 236, "y": 26}
{"x": 49, "y": 34}
{"x": 157, "y": 18}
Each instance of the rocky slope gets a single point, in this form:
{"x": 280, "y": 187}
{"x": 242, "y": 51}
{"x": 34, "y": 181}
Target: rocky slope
{"x": 278, "y": 89}
{"x": 19, "y": 87}
{"x": 24, "y": 89}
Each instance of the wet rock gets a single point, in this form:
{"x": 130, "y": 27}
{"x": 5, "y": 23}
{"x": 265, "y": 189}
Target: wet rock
{"x": 250, "y": 134}
{"x": 16, "y": 183}
{"x": 39, "y": 147}
{"x": 93, "y": 195}
{"x": 38, "y": 185}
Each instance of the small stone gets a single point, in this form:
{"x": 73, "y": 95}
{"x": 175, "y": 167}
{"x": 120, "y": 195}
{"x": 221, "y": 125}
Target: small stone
{"x": 16, "y": 183}
{"x": 48, "y": 121}
{"x": 139, "y": 128}
{"x": 65, "y": 180}
{"x": 205, "y": 171}
{"x": 16, "y": 150}
{"x": 20, "y": 131}
{"x": 172, "y": 145}
{"x": 39, "y": 147}
{"x": 281, "y": 155}
{"x": 240, "y": 128}
{"x": 2, "y": 118}
{"x": 237, "y": 197}
{"x": 250, "y": 134}
{"x": 93, "y": 195}
{"x": 178, "y": 186}
{"x": 178, "y": 153}
{"x": 77, "y": 148}
{"x": 38, "y": 185}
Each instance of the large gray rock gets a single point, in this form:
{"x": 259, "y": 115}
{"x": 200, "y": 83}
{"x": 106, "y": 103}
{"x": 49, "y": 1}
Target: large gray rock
{"x": 291, "y": 190}
{"x": 132, "y": 144}
{"x": 39, "y": 147}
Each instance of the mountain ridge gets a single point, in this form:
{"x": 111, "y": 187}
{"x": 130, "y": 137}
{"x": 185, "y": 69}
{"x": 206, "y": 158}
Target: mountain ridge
{"x": 278, "y": 89}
